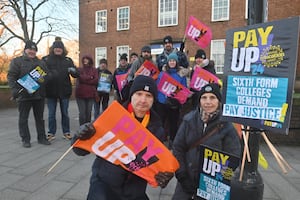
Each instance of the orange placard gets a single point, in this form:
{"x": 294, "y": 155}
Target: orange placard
{"x": 122, "y": 140}
{"x": 148, "y": 69}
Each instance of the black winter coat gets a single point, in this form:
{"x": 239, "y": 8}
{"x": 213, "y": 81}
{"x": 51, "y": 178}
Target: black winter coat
{"x": 19, "y": 67}
{"x": 60, "y": 85}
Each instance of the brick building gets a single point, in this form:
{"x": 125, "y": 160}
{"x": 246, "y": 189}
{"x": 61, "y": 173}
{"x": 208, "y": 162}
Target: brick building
{"x": 111, "y": 27}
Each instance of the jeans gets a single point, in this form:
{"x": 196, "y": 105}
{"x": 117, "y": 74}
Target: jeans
{"x": 65, "y": 120}
{"x": 38, "y": 113}
{"x": 85, "y": 109}
{"x": 103, "y": 100}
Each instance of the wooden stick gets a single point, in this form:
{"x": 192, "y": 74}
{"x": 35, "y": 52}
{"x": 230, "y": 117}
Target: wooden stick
{"x": 278, "y": 154}
{"x": 244, "y": 158}
{"x": 246, "y": 143}
{"x": 60, "y": 159}
{"x": 274, "y": 152}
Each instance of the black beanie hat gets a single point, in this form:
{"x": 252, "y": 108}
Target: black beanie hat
{"x": 58, "y": 44}
{"x": 144, "y": 83}
{"x": 103, "y": 60}
{"x": 123, "y": 56}
{"x": 200, "y": 54}
{"x": 168, "y": 39}
{"x": 146, "y": 49}
{"x": 211, "y": 88}
{"x": 30, "y": 45}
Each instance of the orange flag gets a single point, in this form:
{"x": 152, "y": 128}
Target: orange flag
{"x": 148, "y": 69}
{"x": 122, "y": 140}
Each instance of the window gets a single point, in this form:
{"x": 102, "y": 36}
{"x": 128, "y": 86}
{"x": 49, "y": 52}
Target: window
{"x": 167, "y": 13}
{"x": 218, "y": 54}
{"x": 100, "y": 52}
{"x": 120, "y": 51}
{"x": 101, "y": 21}
{"x": 220, "y": 10}
{"x": 123, "y": 18}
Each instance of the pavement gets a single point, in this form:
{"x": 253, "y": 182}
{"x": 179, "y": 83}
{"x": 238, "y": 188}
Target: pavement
{"x": 22, "y": 170}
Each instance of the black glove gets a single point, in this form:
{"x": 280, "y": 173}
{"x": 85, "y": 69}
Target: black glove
{"x": 173, "y": 103}
{"x": 86, "y": 131}
{"x": 163, "y": 178}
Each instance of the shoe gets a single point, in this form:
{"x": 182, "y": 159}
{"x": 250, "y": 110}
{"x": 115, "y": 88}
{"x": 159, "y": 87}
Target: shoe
{"x": 44, "y": 141}
{"x": 50, "y": 137}
{"x": 26, "y": 144}
{"x": 67, "y": 136}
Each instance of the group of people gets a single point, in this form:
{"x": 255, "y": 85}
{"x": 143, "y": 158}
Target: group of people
{"x": 154, "y": 110}
{"x": 149, "y": 105}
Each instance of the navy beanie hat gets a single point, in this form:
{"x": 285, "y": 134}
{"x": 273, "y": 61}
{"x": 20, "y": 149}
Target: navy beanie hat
{"x": 30, "y": 45}
{"x": 146, "y": 49}
{"x": 173, "y": 56}
{"x": 144, "y": 83}
{"x": 211, "y": 88}
{"x": 168, "y": 39}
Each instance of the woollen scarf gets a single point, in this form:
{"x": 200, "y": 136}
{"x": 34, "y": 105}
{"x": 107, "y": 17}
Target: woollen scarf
{"x": 146, "y": 118}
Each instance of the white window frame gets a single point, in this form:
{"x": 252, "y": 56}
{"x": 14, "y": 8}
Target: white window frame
{"x": 120, "y": 50}
{"x": 246, "y": 9}
{"x": 217, "y": 54}
{"x": 101, "y": 21}
{"x": 100, "y": 52}
{"x": 121, "y": 26}
{"x": 167, "y": 13}
{"x": 223, "y": 10}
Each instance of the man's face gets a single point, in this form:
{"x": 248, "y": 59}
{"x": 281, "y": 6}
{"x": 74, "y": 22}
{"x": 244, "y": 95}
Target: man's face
{"x": 146, "y": 55}
{"x": 168, "y": 46}
{"x": 58, "y": 51}
{"x": 133, "y": 58}
{"x": 31, "y": 53}
{"x": 103, "y": 66}
{"x": 141, "y": 102}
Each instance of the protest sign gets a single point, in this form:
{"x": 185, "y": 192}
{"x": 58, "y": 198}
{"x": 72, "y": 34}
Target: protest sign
{"x": 202, "y": 77}
{"x": 216, "y": 171}
{"x": 259, "y": 71}
{"x": 31, "y": 81}
{"x": 122, "y": 140}
{"x": 172, "y": 88}
{"x": 104, "y": 83}
{"x": 198, "y": 32}
{"x": 148, "y": 69}
{"x": 121, "y": 80}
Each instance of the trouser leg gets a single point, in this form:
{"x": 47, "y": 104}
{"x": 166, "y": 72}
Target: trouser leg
{"x": 51, "y": 103}
{"x": 65, "y": 119}
{"x": 24, "y": 109}
{"x": 38, "y": 113}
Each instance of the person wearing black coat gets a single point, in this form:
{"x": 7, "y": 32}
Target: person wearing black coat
{"x": 109, "y": 181}
{"x": 59, "y": 89}
{"x": 203, "y": 120}
{"x": 20, "y": 67}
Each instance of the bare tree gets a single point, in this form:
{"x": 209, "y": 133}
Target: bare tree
{"x": 35, "y": 19}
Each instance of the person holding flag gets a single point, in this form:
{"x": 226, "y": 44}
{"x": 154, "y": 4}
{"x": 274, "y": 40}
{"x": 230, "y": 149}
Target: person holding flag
{"x": 109, "y": 181}
{"x": 162, "y": 58}
{"x": 169, "y": 108}
{"x": 201, "y": 126}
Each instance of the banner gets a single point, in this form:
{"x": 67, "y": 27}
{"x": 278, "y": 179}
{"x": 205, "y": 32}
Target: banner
{"x": 259, "y": 71}
{"x": 104, "y": 83}
{"x": 121, "y": 80}
{"x": 202, "y": 77}
{"x": 31, "y": 81}
{"x": 172, "y": 88}
{"x": 198, "y": 32}
{"x": 148, "y": 69}
{"x": 216, "y": 171}
{"x": 122, "y": 140}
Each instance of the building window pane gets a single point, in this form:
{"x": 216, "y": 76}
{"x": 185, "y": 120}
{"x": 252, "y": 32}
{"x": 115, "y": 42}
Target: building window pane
{"x": 123, "y": 18}
{"x": 101, "y": 21}
{"x": 167, "y": 13}
{"x": 220, "y": 10}
{"x": 218, "y": 54}
{"x": 100, "y": 52}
